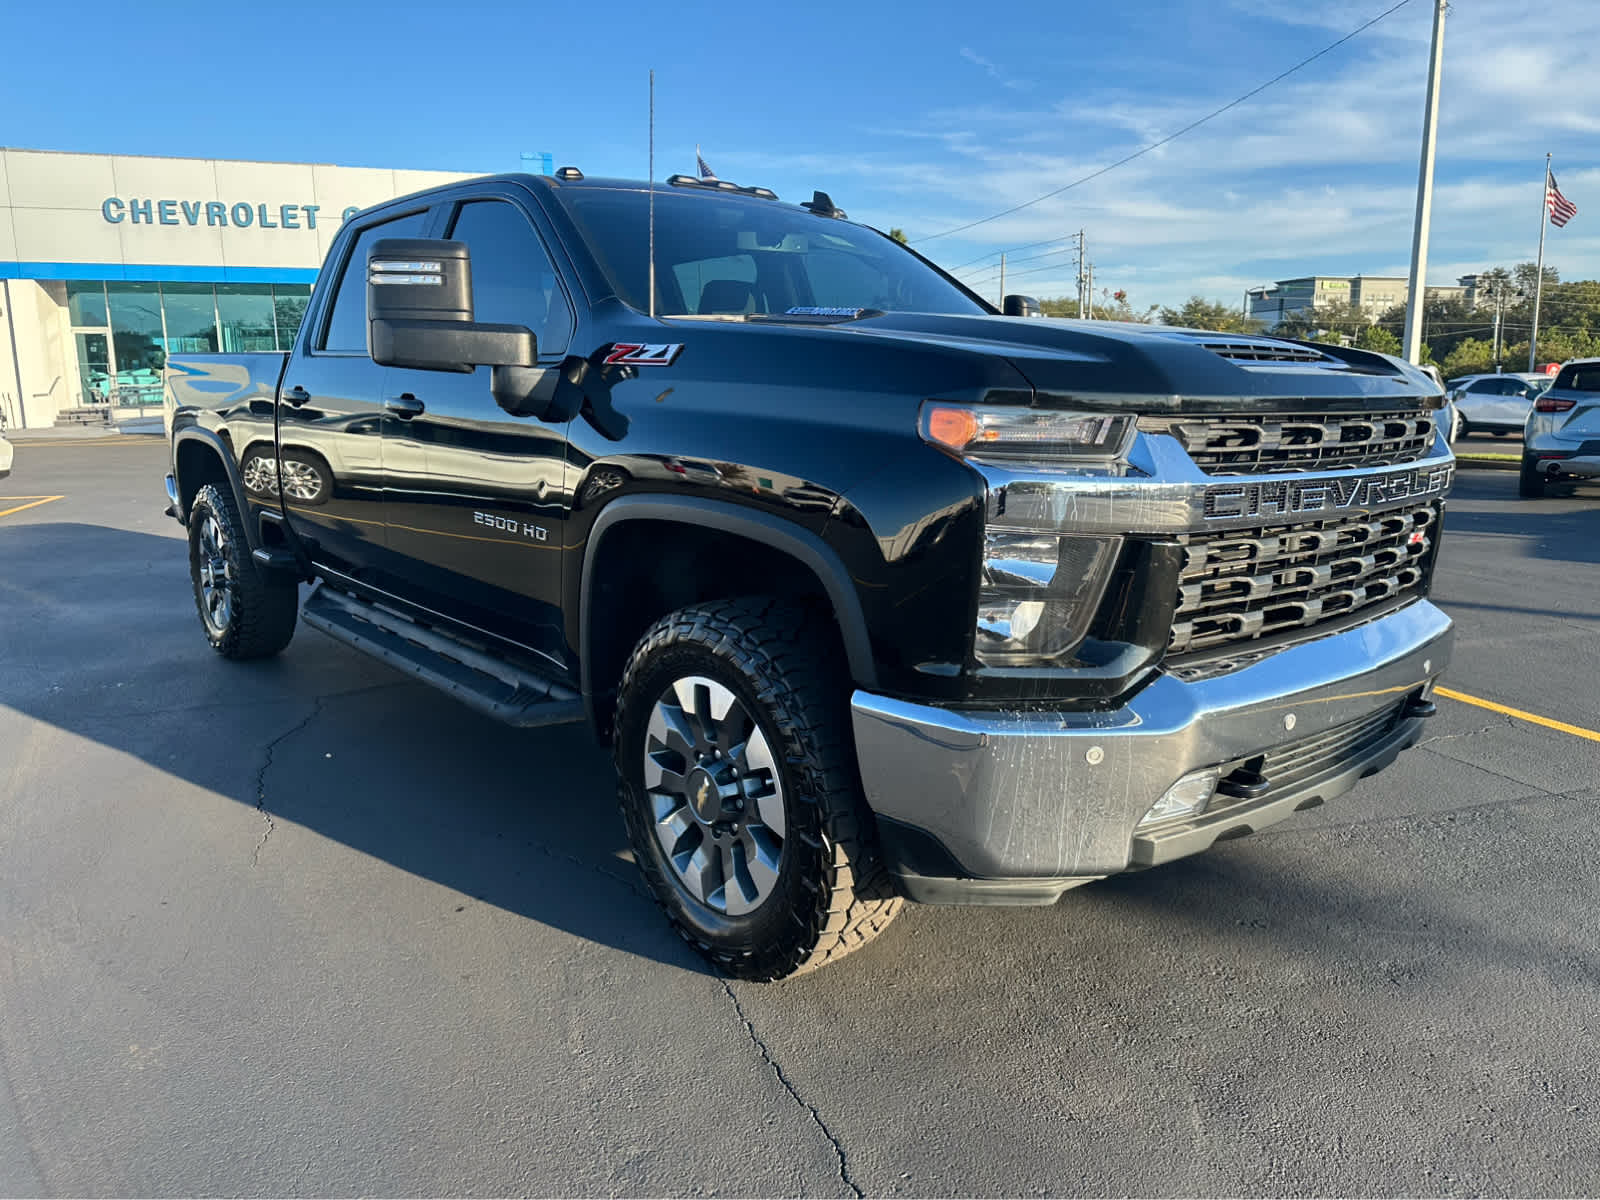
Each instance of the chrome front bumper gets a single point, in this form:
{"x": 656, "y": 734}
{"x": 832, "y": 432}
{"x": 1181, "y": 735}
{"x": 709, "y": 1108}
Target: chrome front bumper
{"x": 1016, "y": 806}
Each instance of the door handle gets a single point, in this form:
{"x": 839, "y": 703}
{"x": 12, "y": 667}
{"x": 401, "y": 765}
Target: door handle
{"x": 296, "y": 396}
{"x": 403, "y": 406}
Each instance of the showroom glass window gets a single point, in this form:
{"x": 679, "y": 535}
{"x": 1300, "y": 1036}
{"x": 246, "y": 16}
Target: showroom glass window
{"x": 190, "y": 310}
{"x": 245, "y": 315}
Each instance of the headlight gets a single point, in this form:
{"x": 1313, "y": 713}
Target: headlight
{"x": 1038, "y": 594}
{"x": 1002, "y": 434}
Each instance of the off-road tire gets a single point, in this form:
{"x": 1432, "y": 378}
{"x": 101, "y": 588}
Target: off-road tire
{"x": 1531, "y": 484}
{"x": 263, "y": 604}
{"x": 832, "y": 895}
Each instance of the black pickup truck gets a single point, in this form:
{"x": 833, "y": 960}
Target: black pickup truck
{"x": 876, "y": 593}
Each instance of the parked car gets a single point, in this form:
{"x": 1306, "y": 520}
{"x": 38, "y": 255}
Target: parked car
{"x": 5, "y": 456}
{"x": 1497, "y": 404}
{"x": 1561, "y": 441}
{"x": 875, "y": 592}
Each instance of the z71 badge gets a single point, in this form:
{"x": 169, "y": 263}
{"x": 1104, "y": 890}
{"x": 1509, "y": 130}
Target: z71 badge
{"x": 634, "y": 354}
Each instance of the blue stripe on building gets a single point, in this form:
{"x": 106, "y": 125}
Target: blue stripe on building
{"x": 156, "y": 273}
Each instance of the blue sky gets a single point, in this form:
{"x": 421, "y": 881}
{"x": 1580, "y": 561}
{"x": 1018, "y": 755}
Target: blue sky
{"x": 918, "y": 116}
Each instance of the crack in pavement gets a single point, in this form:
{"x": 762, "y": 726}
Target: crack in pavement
{"x": 816, "y": 1117}
{"x": 261, "y": 777}
{"x": 1503, "y": 723}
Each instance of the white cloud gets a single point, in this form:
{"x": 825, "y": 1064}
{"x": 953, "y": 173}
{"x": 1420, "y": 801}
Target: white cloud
{"x": 1316, "y": 174}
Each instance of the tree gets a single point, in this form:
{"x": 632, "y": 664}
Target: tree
{"x": 1376, "y": 337}
{"x": 1336, "y": 323}
{"x": 1470, "y": 356}
{"x": 1200, "y": 313}
{"x": 1067, "y": 306}
{"x": 1526, "y": 274}
{"x": 898, "y": 235}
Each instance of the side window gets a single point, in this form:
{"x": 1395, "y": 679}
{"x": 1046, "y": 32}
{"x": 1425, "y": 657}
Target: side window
{"x": 513, "y": 281}
{"x": 347, "y": 327}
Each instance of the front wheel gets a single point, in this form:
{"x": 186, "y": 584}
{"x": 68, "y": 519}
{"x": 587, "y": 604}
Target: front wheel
{"x": 738, "y": 784}
{"x": 246, "y": 612}
{"x": 1531, "y": 485}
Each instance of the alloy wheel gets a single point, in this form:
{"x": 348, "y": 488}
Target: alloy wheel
{"x": 216, "y": 574}
{"x": 716, "y": 795}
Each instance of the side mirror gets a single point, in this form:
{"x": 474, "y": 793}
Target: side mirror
{"x": 419, "y": 311}
{"x": 1021, "y": 306}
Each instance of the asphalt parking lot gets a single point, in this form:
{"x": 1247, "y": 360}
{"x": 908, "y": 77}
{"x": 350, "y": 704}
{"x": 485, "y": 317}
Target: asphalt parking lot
{"x": 304, "y": 927}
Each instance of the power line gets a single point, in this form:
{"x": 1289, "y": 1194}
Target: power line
{"x": 1072, "y": 237}
{"x": 1171, "y": 137}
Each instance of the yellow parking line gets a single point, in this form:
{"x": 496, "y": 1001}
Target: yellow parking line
{"x": 31, "y": 504}
{"x": 1535, "y": 718}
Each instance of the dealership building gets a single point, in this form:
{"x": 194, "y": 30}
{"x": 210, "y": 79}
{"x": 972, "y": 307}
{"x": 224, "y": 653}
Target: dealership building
{"x": 108, "y": 263}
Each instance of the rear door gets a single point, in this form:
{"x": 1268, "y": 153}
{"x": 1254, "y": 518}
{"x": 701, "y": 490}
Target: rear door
{"x": 476, "y": 500}
{"x": 1506, "y": 405}
{"x": 330, "y": 415}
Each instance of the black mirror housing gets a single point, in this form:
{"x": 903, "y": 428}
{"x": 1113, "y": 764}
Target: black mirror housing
{"x": 1021, "y": 306}
{"x": 419, "y": 311}
{"x": 419, "y": 279}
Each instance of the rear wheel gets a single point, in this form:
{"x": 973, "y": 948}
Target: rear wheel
{"x": 738, "y": 784}
{"x": 246, "y": 612}
{"x": 1531, "y": 485}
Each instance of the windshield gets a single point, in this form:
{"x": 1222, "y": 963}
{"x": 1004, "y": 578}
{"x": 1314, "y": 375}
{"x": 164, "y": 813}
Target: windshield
{"x": 726, "y": 256}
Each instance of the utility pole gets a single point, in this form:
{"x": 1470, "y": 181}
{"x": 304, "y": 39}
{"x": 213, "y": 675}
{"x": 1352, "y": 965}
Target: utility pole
{"x": 1088, "y": 290}
{"x": 1002, "y": 280}
{"x": 1499, "y": 302}
{"x": 1538, "y": 284}
{"x": 1418, "y": 297}
{"x": 1083, "y": 288}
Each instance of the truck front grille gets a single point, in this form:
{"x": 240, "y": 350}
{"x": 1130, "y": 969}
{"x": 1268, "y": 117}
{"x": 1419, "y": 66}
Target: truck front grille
{"x": 1239, "y": 586}
{"x": 1258, "y": 445}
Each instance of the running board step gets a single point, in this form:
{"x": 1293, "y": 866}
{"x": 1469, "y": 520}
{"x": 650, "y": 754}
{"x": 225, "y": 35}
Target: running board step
{"x": 495, "y": 688}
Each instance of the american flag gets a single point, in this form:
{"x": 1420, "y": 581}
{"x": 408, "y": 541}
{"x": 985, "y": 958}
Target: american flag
{"x": 1562, "y": 210}
{"x": 707, "y": 173}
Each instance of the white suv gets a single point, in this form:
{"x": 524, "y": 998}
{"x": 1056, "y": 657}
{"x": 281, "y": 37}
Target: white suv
{"x": 1497, "y": 404}
{"x": 1561, "y": 443}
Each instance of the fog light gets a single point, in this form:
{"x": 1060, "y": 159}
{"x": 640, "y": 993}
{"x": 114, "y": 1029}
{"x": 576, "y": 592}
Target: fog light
{"x": 1185, "y": 798}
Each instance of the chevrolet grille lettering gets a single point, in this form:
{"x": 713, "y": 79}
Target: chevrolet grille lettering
{"x": 1276, "y": 498}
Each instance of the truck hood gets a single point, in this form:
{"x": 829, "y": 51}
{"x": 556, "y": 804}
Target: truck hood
{"x": 1158, "y": 368}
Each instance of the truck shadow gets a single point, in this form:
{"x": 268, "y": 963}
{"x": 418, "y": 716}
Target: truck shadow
{"x": 100, "y": 638}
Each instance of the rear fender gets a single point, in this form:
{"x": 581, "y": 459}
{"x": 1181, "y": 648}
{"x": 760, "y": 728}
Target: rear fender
{"x": 192, "y": 472}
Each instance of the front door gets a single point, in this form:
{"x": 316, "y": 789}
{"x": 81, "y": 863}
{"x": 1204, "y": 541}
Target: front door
{"x": 94, "y": 365}
{"x": 328, "y": 463}
{"x": 476, "y": 499}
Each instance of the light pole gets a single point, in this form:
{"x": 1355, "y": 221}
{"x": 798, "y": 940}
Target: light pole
{"x": 1418, "y": 297}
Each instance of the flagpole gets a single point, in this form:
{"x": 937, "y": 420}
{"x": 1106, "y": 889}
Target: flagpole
{"x": 1538, "y": 285}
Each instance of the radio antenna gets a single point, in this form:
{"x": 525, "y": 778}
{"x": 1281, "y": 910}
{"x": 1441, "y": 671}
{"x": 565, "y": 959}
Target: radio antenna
{"x": 652, "y": 193}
